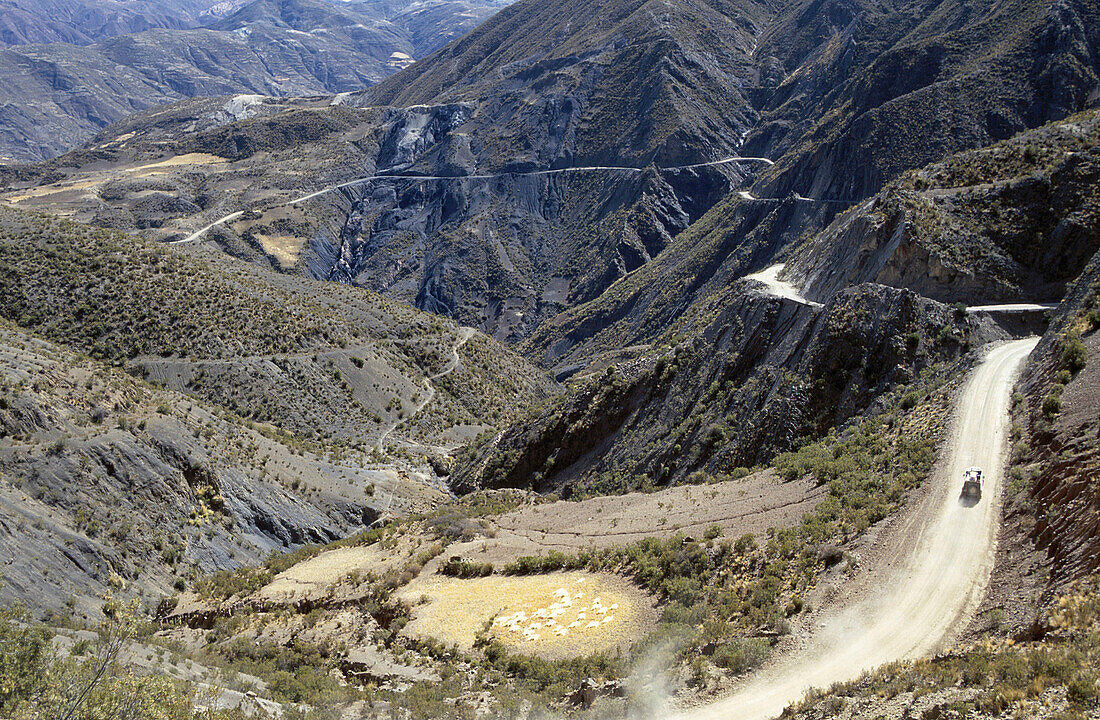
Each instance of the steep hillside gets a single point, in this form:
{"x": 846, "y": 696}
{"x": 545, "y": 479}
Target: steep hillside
{"x": 330, "y": 364}
{"x": 962, "y": 229}
{"x": 111, "y": 486}
{"x": 599, "y": 83}
{"x": 817, "y": 91}
{"x": 866, "y": 91}
{"x": 759, "y": 377}
{"x": 1011, "y": 222}
{"x": 1051, "y": 540}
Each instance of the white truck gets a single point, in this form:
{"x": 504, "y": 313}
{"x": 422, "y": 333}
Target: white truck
{"x": 973, "y": 483}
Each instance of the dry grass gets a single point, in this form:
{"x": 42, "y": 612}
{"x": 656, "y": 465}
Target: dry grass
{"x": 315, "y": 577}
{"x": 175, "y": 161}
{"x": 284, "y": 248}
{"x": 553, "y": 616}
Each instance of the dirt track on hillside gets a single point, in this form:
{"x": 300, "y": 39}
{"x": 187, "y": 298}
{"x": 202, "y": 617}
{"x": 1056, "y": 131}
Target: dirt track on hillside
{"x": 929, "y": 585}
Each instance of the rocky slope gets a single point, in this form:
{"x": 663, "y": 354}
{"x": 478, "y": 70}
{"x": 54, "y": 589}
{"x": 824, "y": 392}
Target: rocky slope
{"x": 268, "y": 47}
{"x": 975, "y": 218}
{"x": 295, "y": 414}
{"x": 1012, "y": 222}
{"x": 1051, "y": 518}
{"x": 839, "y": 65}
{"x": 761, "y": 376}
{"x": 112, "y": 486}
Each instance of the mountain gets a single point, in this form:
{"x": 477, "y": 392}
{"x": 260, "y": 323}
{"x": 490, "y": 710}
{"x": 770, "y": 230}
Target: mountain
{"x": 82, "y": 22}
{"x": 845, "y": 145}
{"x": 269, "y": 47}
{"x": 1014, "y": 221}
{"x": 556, "y": 260}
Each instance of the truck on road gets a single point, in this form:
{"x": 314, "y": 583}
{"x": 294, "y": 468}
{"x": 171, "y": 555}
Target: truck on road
{"x": 973, "y": 482}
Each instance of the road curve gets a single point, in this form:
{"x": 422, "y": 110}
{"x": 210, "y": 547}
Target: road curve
{"x": 780, "y": 288}
{"x": 464, "y": 335}
{"x": 943, "y": 561}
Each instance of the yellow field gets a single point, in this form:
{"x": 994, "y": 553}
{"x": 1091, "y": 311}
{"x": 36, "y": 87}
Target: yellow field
{"x": 315, "y": 578}
{"x": 176, "y": 161}
{"x": 554, "y": 616}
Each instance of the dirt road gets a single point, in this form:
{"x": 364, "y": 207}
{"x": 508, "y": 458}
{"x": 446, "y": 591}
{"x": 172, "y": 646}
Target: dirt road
{"x": 492, "y": 176}
{"x": 199, "y": 233}
{"x": 1011, "y": 307}
{"x": 780, "y": 288}
{"x": 464, "y": 335}
{"x": 935, "y": 580}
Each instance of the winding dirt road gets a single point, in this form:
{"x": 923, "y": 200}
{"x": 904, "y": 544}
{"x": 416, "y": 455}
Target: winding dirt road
{"x": 936, "y": 578}
{"x": 493, "y": 176}
{"x": 464, "y": 335}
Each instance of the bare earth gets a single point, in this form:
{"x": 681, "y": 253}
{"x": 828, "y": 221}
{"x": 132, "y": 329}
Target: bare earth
{"x": 315, "y": 578}
{"x": 750, "y": 505}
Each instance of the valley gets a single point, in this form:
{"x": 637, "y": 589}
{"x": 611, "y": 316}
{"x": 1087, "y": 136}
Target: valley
{"x": 604, "y": 359}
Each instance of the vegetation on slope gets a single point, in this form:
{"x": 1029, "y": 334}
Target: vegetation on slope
{"x": 348, "y": 363}
{"x": 1056, "y": 676}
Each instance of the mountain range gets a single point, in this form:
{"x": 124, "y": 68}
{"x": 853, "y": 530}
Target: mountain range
{"x": 69, "y": 71}
{"x": 683, "y": 321}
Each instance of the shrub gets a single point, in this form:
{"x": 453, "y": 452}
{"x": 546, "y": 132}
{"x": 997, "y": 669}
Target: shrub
{"x": 741, "y": 655}
{"x": 1052, "y": 404}
{"x": 910, "y": 400}
{"x": 23, "y": 661}
{"x": 1074, "y": 354}
{"x": 463, "y": 569}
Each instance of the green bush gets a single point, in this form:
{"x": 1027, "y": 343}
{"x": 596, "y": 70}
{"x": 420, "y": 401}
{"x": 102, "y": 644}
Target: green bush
{"x": 463, "y": 569}
{"x": 741, "y": 655}
{"x": 227, "y": 583}
{"x": 1052, "y": 404}
{"x": 26, "y": 650}
{"x": 1074, "y": 354}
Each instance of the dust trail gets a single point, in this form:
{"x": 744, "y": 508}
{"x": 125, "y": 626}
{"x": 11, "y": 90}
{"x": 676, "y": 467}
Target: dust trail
{"x": 944, "y": 559}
